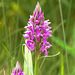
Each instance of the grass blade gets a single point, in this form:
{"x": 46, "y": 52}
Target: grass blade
{"x": 51, "y": 55}
{"x": 42, "y": 63}
{"x": 74, "y": 37}
{"x": 3, "y": 10}
{"x": 64, "y": 35}
{"x": 7, "y": 50}
{"x": 62, "y": 65}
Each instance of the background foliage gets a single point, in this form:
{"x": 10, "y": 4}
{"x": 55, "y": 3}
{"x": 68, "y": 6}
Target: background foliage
{"x": 14, "y": 15}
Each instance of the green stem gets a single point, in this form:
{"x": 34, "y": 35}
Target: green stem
{"x": 36, "y": 64}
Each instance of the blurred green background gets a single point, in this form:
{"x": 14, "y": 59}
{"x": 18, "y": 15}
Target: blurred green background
{"x": 14, "y": 15}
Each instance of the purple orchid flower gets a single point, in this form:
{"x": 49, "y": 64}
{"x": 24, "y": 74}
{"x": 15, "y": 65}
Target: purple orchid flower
{"x": 17, "y": 70}
{"x": 38, "y": 31}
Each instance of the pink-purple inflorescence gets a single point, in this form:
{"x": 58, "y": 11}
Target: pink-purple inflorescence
{"x": 37, "y": 32}
{"x": 17, "y": 70}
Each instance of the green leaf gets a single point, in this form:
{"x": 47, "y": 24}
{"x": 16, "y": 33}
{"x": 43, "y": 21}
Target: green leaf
{"x": 28, "y": 65}
{"x": 61, "y": 43}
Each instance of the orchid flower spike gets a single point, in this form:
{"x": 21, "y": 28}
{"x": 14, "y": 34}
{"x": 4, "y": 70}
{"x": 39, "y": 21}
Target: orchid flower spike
{"x": 38, "y": 31}
{"x": 17, "y": 70}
